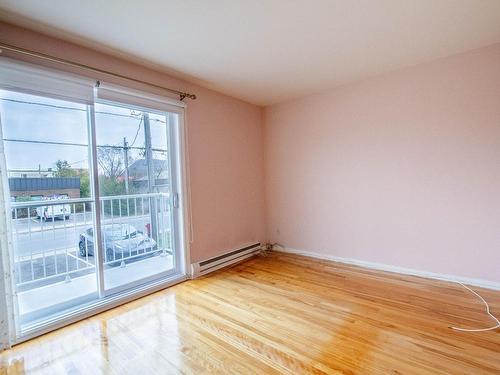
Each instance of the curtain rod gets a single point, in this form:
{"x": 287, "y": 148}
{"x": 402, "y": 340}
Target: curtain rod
{"x": 44, "y": 56}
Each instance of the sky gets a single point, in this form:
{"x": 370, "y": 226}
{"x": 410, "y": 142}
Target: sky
{"x": 34, "y": 118}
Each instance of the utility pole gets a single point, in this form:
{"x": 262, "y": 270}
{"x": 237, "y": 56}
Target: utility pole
{"x": 151, "y": 177}
{"x": 125, "y": 157}
{"x": 149, "y": 153}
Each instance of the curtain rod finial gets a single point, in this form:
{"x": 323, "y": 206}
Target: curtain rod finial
{"x": 185, "y": 95}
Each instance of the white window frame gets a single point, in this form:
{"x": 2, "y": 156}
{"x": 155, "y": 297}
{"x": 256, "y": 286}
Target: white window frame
{"x": 33, "y": 79}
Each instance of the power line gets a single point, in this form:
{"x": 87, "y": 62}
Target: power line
{"x": 75, "y": 144}
{"x": 137, "y": 133}
{"x": 44, "y": 142}
{"x": 133, "y": 115}
{"x": 77, "y": 162}
{"x": 75, "y": 109}
{"x": 44, "y": 104}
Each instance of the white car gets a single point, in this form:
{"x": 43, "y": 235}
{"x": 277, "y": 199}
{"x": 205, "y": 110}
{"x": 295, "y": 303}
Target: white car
{"x": 54, "y": 211}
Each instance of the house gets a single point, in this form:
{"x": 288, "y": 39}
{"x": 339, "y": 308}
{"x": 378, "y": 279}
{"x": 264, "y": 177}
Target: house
{"x": 138, "y": 173}
{"x": 325, "y": 199}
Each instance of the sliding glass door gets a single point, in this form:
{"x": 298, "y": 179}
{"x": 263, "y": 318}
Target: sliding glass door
{"x": 94, "y": 178}
{"x": 134, "y": 174}
{"x": 47, "y": 154}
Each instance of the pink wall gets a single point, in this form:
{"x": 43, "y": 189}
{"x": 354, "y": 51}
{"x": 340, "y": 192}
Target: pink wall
{"x": 402, "y": 169}
{"x": 225, "y": 148}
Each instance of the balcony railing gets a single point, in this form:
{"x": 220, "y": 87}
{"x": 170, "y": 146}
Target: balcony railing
{"x": 54, "y": 239}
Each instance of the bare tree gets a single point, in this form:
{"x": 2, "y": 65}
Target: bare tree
{"x": 110, "y": 159}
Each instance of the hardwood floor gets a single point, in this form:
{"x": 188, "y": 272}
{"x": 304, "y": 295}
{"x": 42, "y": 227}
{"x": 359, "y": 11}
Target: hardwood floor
{"x": 278, "y": 314}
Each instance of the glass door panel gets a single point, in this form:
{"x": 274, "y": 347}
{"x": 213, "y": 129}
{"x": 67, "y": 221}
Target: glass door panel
{"x": 134, "y": 174}
{"x": 47, "y": 156}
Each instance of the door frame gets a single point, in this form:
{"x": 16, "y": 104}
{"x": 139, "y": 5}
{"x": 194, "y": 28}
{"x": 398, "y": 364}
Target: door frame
{"x": 174, "y": 149}
{"x": 131, "y": 291}
{"x": 182, "y": 217}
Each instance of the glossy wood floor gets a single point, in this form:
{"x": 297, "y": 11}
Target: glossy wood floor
{"x": 278, "y": 314}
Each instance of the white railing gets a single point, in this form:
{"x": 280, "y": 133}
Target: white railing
{"x": 148, "y": 211}
{"x": 47, "y": 246}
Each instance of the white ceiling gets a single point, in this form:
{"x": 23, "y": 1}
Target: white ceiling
{"x": 267, "y": 51}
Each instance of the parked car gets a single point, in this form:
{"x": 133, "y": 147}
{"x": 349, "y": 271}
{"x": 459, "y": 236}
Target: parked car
{"x": 120, "y": 241}
{"x": 52, "y": 212}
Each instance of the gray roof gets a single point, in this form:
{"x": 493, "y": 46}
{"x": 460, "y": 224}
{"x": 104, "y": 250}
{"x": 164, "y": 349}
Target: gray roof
{"x": 43, "y": 183}
{"x": 139, "y": 168}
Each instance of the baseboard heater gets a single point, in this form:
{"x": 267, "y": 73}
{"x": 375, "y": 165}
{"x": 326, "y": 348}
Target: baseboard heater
{"x": 224, "y": 260}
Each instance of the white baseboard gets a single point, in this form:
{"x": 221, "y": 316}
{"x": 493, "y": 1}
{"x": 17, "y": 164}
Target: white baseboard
{"x": 385, "y": 267}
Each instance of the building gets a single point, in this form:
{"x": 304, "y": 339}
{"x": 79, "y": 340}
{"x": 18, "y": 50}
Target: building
{"x": 49, "y": 172}
{"x": 38, "y": 187}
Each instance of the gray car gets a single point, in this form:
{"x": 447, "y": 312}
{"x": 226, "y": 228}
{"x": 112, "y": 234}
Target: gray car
{"x": 120, "y": 241}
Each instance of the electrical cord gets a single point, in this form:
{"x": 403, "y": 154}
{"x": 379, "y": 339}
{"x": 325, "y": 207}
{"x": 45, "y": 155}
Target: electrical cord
{"x": 487, "y": 311}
